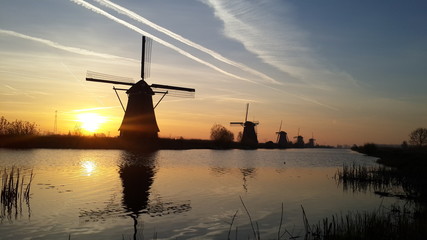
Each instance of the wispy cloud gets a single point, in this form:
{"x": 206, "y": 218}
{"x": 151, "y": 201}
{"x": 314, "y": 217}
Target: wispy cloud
{"x": 63, "y": 47}
{"x": 184, "y": 40}
{"x": 158, "y": 40}
{"x": 276, "y": 41}
{"x": 177, "y": 49}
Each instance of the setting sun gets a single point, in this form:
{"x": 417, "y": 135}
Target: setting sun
{"x": 90, "y": 122}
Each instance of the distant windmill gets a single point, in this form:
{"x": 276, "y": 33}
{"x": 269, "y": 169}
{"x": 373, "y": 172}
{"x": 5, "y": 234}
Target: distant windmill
{"x": 311, "y": 141}
{"x": 282, "y": 137}
{"x": 249, "y": 137}
{"x": 139, "y": 121}
{"x": 300, "y": 140}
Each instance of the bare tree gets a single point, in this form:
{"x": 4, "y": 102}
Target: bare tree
{"x": 18, "y": 127}
{"x": 221, "y": 135}
{"x": 3, "y": 126}
{"x": 418, "y": 137}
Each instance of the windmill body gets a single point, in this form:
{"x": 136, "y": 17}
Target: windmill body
{"x": 282, "y": 139}
{"x": 139, "y": 121}
{"x": 249, "y": 136}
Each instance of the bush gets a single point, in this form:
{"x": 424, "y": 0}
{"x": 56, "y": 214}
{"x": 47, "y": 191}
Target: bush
{"x": 18, "y": 127}
{"x": 221, "y": 136}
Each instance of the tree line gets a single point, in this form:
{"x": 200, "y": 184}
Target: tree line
{"x": 17, "y": 127}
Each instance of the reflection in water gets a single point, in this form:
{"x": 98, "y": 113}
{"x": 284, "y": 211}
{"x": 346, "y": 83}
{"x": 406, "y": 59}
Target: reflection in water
{"x": 137, "y": 172}
{"x": 88, "y": 167}
{"x": 247, "y": 172}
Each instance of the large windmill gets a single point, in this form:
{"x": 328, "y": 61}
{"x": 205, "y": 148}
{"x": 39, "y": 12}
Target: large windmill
{"x": 249, "y": 137}
{"x": 282, "y": 137}
{"x": 139, "y": 121}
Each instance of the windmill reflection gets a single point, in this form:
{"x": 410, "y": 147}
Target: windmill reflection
{"x": 137, "y": 172}
{"x": 247, "y": 172}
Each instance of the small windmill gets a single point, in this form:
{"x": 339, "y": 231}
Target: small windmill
{"x": 249, "y": 137}
{"x": 139, "y": 120}
{"x": 282, "y": 137}
{"x": 300, "y": 140}
{"x": 311, "y": 141}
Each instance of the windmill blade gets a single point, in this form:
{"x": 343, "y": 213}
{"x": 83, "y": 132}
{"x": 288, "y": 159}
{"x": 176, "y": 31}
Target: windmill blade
{"x": 173, "y": 88}
{"x": 247, "y": 110}
{"x": 237, "y": 123}
{"x": 174, "y": 91}
{"x": 106, "y": 78}
{"x": 146, "y": 57}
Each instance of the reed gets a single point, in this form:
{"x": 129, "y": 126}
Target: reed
{"x": 363, "y": 178}
{"x": 386, "y": 223}
{"x": 15, "y": 189}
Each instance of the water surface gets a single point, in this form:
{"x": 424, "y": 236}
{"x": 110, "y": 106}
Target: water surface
{"x": 179, "y": 194}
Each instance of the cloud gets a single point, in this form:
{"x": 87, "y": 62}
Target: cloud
{"x": 158, "y": 40}
{"x": 184, "y": 40}
{"x": 62, "y": 47}
{"x": 267, "y": 30}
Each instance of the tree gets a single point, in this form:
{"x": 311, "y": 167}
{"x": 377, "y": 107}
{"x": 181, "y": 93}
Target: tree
{"x": 418, "y": 137}
{"x": 221, "y": 136}
{"x": 18, "y": 127}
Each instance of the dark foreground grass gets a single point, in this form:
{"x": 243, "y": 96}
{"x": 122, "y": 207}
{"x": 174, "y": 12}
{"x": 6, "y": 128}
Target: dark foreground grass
{"x": 15, "y": 189}
{"x": 386, "y": 223}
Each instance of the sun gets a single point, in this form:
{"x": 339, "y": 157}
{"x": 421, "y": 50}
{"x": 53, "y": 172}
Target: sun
{"x": 91, "y": 122}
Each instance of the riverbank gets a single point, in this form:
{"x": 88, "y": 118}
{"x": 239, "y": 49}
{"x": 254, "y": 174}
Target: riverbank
{"x": 410, "y": 165}
{"x": 93, "y": 142}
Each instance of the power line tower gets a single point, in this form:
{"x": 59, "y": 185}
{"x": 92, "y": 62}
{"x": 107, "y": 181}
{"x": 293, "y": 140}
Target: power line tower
{"x": 56, "y": 122}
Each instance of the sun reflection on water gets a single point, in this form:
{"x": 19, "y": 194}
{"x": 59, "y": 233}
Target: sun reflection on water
{"x": 88, "y": 167}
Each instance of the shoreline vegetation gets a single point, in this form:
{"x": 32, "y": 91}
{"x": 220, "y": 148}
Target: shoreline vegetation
{"x": 102, "y": 142}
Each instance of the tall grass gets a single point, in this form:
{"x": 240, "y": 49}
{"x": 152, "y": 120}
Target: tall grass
{"x": 15, "y": 189}
{"x": 363, "y": 178}
{"x": 386, "y": 223}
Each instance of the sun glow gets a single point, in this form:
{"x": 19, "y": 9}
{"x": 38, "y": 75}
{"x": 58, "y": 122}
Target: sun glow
{"x": 91, "y": 122}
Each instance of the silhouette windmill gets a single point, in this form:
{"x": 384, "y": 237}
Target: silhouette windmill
{"x": 249, "y": 137}
{"x": 300, "y": 140}
{"x": 311, "y": 141}
{"x": 282, "y": 137}
{"x": 139, "y": 121}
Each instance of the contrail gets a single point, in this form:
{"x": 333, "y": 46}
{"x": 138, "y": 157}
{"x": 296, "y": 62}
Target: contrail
{"x": 164, "y": 43}
{"x": 62, "y": 47}
{"x": 182, "y": 39}
{"x": 184, "y": 53}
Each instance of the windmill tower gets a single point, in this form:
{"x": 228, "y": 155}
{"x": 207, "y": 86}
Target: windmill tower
{"x": 139, "y": 121}
{"x": 311, "y": 141}
{"x": 282, "y": 137}
{"x": 300, "y": 141}
{"x": 249, "y": 137}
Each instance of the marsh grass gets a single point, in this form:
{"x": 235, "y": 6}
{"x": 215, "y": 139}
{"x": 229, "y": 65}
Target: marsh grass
{"x": 15, "y": 190}
{"x": 362, "y": 178}
{"x": 386, "y": 223}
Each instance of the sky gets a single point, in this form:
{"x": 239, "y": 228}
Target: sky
{"x": 344, "y": 72}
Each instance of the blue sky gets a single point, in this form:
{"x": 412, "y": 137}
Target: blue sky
{"x": 346, "y": 72}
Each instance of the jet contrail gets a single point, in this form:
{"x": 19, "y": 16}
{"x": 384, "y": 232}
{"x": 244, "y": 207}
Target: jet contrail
{"x": 182, "y": 39}
{"x": 184, "y": 53}
{"x": 164, "y": 43}
{"x": 62, "y": 47}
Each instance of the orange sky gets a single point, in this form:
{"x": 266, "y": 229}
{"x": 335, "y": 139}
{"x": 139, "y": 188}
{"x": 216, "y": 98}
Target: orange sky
{"x": 293, "y": 62}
